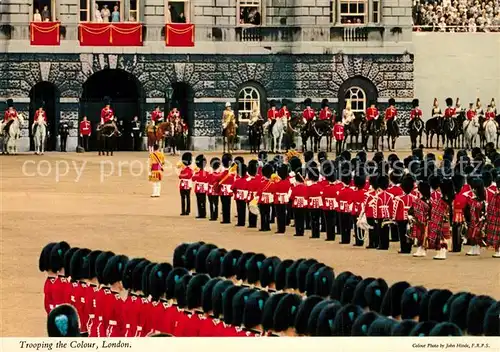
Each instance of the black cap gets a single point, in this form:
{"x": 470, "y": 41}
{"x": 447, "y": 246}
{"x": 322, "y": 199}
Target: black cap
{"x": 213, "y": 263}
{"x": 127, "y": 273}
{"x": 491, "y": 324}
{"x": 446, "y": 329}
{"x": 241, "y": 265}
{"x": 253, "y": 266}
{"x": 374, "y": 294}
{"x": 326, "y": 319}
{"x": 217, "y": 297}
{"x": 281, "y": 274}
{"x": 179, "y": 255}
{"x": 208, "y": 288}
{"x": 180, "y": 291}
{"x": 229, "y": 263}
{"x": 359, "y": 293}
{"x": 382, "y": 327}
{"x": 201, "y": 257}
{"x": 423, "y": 328}
{"x": 157, "y": 281}
{"x": 190, "y": 255}
{"x": 304, "y": 312}
{"x": 269, "y": 309}
{"x": 349, "y": 288}
{"x": 324, "y": 280}
{"x": 478, "y": 307}
{"x": 239, "y": 301}
{"x": 63, "y": 321}
{"x": 411, "y": 300}
{"x": 345, "y": 319}
{"x": 187, "y": 158}
{"x": 404, "y": 328}
{"x": 362, "y": 324}
{"x": 338, "y": 284}
{"x": 391, "y": 305}
{"x": 254, "y": 309}
{"x": 226, "y": 160}
{"x": 57, "y": 256}
{"x": 113, "y": 272}
{"x": 268, "y": 270}
{"x": 227, "y": 302}
{"x": 312, "y": 323}
{"x": 172, "y": 278}
{"x": 286, "y": 311}
{"x": 44, "y": 260}
{"x": 195, "y": 290}
{"x": 76, "y": 264}
{"x": 100, "y": 265}
{"x": 437, "y": 303}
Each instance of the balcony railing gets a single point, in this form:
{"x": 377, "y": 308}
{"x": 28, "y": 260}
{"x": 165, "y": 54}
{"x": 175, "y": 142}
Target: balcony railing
{"x": 223, "y": 33}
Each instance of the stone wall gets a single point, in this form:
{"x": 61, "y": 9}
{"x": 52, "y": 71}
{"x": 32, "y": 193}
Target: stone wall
{"x": 397, "y": 12}
{"x": 300, "y": 12}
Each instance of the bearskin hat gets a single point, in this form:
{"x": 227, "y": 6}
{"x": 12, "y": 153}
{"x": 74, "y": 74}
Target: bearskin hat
{"x": 226, "y": 160}
{"x": 113, "y": 272}
{"x": 425, "y": 189}
{"x": 227, "y": 302}
{"x": 383, "y": 182}
{"x": 63, "y": 321}
{"x": 446, "y": 329}
{"x": 418, "y": 154}
{"x": 326, "y": 319}
{"x": 392, "y": 102}
{"x": 458, "y": 310}
{"x": 362, "y": 156}
{"x": 190, "y": 255}
{"x": 252, "y": 167}
{"x": 286, "y": 312}
{"x": 107, "y": 100}
{"x": 267, "y": 271}
{"x": 253, "y": 266}
{"x": 181, "y": 290}
{"x": 391, "y": 305}
{"x": 269, "y": 309}
{"x": 229, "y": 263}
{"x": 200, "y": 161}
{"x": 436, "y": 304}
{"x": 304, "y": 312}
{"x": 214, "y": 261}
{"x": 338, "y": 284}
{"x": 241, "y": 270}
{"x": 308, "y": 156}
{"x": 359, "y": 293}
{"x": 487, "y": 178}
{"x": 76, "y": 264}
{"x": 10, "y": 103}
{"x": 44, "y": 260}
{"x": 238, "y": 305}
{"x": 349, "y": 287}
{"x": 295, "y": 164}
{"x": 195, "y": 290}
{"x": 447, "y": 306}
{"x": 423, "y": 328}
{"x": 404, "y": 328}
{"x": 267, "y": 171}
{"x": 449, "y": 102}
{"x": 478, "y": 307}
{"x": 281, "y": 272}
{"x": 301, "y": 273}
{"x": 67, "y": 260}
{"x": 291, "y": 275}
{"x": 207, "y": 292}
{"x": 187, "y": 158}
{"x": 146, "y": 273}
{"x": 89, "y": 266}
{"x": 312, "y": 322}
{"x": 157, "y": 278}
{"x": 254, "y": 309}
{"x": 215, "y": 163}
{"x": 491, "y": 323}
{"x": 374, "y": 294}
{"x": 283, "y": 171}
{"x": 179, "y": 255}
{"x": 382, "y": 326}
{"x": 423, "y": 314}
{"x": 308, "y": 102}
{"x": 411, "y": 300}
{"x": 407, "y": 184}
{"x": 201, "y": 257}
{"x": 346, "y": 316}
{"x": 100, "y": 265}
{"x": 458, "y": 181}
{"x": 324, "y": 103}
{"x": 362, "y": 324}
{"x": 57, "y": 254}
{"x": 311, "y": 278}
{"x": 174, "y": 277}
{"x": 447, "y": 190}
{"x": 415, "y": 103}
{"x": 127, "y": 273}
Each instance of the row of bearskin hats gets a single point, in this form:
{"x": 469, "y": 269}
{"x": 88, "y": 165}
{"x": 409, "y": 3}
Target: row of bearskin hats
{"x": 276, "y": 295}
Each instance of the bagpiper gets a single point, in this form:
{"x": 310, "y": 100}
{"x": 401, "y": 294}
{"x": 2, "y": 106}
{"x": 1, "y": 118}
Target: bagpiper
{"x": 418, "y": 217}
{"x": 493, "y": 222}
{"x": 440, "y": 220}
{"x": 476, "y": 211}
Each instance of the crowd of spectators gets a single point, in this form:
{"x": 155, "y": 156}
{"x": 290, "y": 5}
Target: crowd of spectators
{"x": 457, "y": 15}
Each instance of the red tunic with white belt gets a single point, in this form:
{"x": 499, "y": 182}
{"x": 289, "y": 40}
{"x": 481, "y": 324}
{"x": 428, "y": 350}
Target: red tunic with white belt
{"x": 200, "y": 179}
{"x": 371, "y": 113}
{"x": 345, "y": 199}
{"x": 272, "y": 114}
{"x": 85, "y": 128}
{"x": 106, "y": 115}
{"x": 384, "y": 205}
{"x": 40, "y": 114}
{"x": 338, "y": 132}
{"x": 326, "y": 114}
{"x": 370, "y": 203}
{"x": 402, "y": 204}
{"x": 490, "y": 115}
{"x": 253, "y": 184}
{"x": 450, "y": 112}
{"x": 265, "y": 191}
{"x": 470, "y": 114}
{"x": 390, "y": 113}
{"x": 308, "y": 114}
{"x": 157, "y": 116}
{"x": 330, "y": 197}
{"x": 299, "y": 196}
{"x": 240, "y": 189}
{"x": 282, "y": 191}
{"x": 284, "y": 112}
{"x": 185, "y": 178}
{"x": 48, "y": 300}
{"x": 172, "y": 115}
{"x": 9, "y": 115}
{"x": 395, "y": 190}
{"x": 315, "y": 196}
{"x": 357, "y": 199}
{"x": 226, "y": 181}
{"x": 415, "y": 112}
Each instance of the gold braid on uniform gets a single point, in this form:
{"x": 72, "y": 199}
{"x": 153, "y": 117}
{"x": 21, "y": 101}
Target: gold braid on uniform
{"x": 292, "y": 153}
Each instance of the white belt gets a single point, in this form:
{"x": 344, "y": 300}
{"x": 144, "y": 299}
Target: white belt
{"x": 202, "y": 185}
{"x": 267, "y": 196}
{"x": 112, "y": 322}
{"x": 242, "y": 193}
{"x": 91, "y": 316}
{"x": 226, "y": 188}
{"x": 283, "y": 197}
{"x": 186, "y": 183}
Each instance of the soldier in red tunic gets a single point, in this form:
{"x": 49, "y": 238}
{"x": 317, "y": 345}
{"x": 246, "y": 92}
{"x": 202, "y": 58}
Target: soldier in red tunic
{"x": 157, "y": 115}
{"x": 108, "y": 115}
{"x": 40, "y": 116}
{"x": 213, "y": 189}
{"x": 383, "y": 212}
{"x": 282, "y": 192}
{"x": 338, "y": 134}
{"x": 418, "y": 217}
{"x": 173, "y": 114}
{"x": 372, "y": 114}
{"x": 299, "y": 198}
{"x": 391, "y": 112}
{"x": 132, "y": 282}
{"x": 284, "y": 112}
{"x": 240, "y": 193}
{"x": 450, "y": 110}
{"x": 225, "y": 182}
{"x": 314, "y": 200}
{"x": 9, "y": 115}
{"x": 200, "y": 179}
{"x": 402, "y": 204}
{"x": 308, "y": 114}
{"x": 85, "y": 132}
{"x": 253, "y": 182}
{"x": 493, "y": 222}
{"x": 471, "y": 112}
{"x": 358, "y": 196}
{"x": 344, "y": 200}
{"x": 416, "y": 112}
{"x": 44, "y": 266}
{"x": 329, "y": 200}
{"x": 79, "y": 287}
{"x": 60, "y": 292}
{"x": 440, "y": 220}
{"x": 185, "y": 183}
{"x": 272, "y": 114}
{"x": 476, "y": 211}
{"x": 325, "y": 113}
{"x": 265, "y": 197}
{"x": 369, "y": 210}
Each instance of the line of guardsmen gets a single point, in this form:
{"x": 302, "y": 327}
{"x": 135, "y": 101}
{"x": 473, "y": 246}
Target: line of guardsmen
{"x": 211, "y": 292}
{"x": 393, "y": 200}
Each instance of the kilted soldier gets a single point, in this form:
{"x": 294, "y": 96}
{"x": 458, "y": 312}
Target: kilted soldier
{"x": 240, "y": 193}
{"x": 419, "y": 215}
{"x": 282, "y": 197}
{"x": 185, "y": 183}
{"x": 440, "y": 220}
{"x": 476, "y": 211}
{"x": 200, "y": 179}
{"x": 402, "y": 205}
{"x": 493, "y": 222}
{"x": 156, "y": 162}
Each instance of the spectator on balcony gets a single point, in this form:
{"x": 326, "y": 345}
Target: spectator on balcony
{"x": 45, "y": 14}
{"x": 37, "y": 17}
{"x": 115, "y": 16}
{"x": 254, "y": 17}
{"x": 97, "y": 14}
{"x": 105, "y": 14}
{"x": 181, "y": 18}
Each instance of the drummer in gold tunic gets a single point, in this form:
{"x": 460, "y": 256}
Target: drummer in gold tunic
{"x": 156, "y": 162}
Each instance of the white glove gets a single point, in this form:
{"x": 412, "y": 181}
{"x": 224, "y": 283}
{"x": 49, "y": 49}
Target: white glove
{"x": 131, "y": 134}
{"x": 81, "y": 135}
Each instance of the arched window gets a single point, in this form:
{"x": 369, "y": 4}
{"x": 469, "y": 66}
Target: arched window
{"x": 248, "y": 98}
{"x": 357, "y": 97}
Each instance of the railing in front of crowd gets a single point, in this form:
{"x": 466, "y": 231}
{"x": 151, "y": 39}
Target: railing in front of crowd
{"x": 457, "y": 29}
{"x": 225, "y": 33}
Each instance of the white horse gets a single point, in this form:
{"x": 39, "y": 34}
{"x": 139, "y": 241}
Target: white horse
{"x": 278, "y": 131}
{"x": 12, "y": 135}
{"x": 471, "y": 131}
{"x": 490, "y": 131}
{"x": 39, "y": 136}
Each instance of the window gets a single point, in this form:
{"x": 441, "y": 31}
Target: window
{"x": 353, "y": 11}
{"x": 358, "y": 99}
{"x": 248, "y": 100}
{"x": 376, "y": 11}
{"x": 133, "y": 12}
{"x": 84, "y": 10}
{"x": 250, "y": 12}
{"x": 44, "y": 10}
{"x": 110, "y": 11}
{"x": 177, "y": 11}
